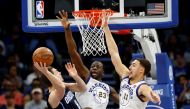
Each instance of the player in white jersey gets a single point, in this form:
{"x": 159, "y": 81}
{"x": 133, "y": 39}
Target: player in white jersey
{"x": 97, "y": 93}
{"x": 96, "y": 96}
{"x": 129, "y": 96}
{"x": 134, "y": 92}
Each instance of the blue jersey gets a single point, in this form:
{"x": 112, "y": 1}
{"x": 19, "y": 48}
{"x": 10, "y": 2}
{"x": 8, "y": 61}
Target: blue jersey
{"x": 68, "y": 102}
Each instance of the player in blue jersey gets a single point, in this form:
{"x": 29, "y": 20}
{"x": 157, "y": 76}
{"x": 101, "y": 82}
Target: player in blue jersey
{"x": 97, "y": 94}
{"x": 134, "y": 92}
{"x": 60, "y": 94}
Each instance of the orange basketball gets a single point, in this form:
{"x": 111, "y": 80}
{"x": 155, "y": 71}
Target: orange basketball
{"x": 44, "y": 55}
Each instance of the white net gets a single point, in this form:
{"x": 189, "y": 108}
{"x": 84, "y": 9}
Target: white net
{"x": 90, "y": 27}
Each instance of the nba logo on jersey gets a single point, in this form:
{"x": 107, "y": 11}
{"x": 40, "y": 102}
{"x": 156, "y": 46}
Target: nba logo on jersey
{"x": 39, "y": 9}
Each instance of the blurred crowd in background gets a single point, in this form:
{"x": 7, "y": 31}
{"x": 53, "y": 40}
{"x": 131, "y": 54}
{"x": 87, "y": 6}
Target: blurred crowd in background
{"x": 20, "y": 87}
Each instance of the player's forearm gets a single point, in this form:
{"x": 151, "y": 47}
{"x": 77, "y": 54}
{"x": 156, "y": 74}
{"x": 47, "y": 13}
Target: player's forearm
{"x": 112, "y": 47}
{"x": 75, "y": 57}
{"x": 57, "y": 83}
{"x": 114, "y": 95}
{"x": 148, "y": 93}
{"x": 148, "y": 96}
{"x": 70, "y": 41}
{"x": 72, "y": 48}
{"x": 116, "y": 99}
{"x": 80, "y": 83}
{"x": 114, "y": 53}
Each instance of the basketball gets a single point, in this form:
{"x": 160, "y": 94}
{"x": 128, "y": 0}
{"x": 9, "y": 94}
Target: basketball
{"x": 44, "y": 55}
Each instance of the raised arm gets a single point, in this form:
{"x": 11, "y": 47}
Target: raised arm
{"x": 120, "y": 68}
{"x": 80, "y": 85}
{"x": 72, "y": 48}
{"x": 148, "y": 94}
{"x": 59, "y": 92}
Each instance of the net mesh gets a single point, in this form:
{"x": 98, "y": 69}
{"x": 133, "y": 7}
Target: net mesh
{"x": 91, "y": 29}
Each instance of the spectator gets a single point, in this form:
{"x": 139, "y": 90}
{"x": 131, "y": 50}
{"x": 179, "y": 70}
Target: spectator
{"x": 31, "y": 77}
{"x": 35, "y": 84}
{"x": 13, "y": 75}
{"x": 10, "y": 86}
{"x": 173, "y": 45}
{"x": 180, "y": 67}
{"x": 183, "y": 91}
{"x": 14, "y": 59}
{"x": 37, "y": 100}
{"x": 10, "y": 103}
{"x": 43, "y": 40}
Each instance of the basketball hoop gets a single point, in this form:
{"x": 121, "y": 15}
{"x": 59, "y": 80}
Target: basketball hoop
{"x": 90, "y": 26}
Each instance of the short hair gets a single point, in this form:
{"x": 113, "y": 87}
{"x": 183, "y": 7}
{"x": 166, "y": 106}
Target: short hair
{"x": 146, "y": 64}
{"x": 182, "y": 75}
{"x": 98, "y": 62}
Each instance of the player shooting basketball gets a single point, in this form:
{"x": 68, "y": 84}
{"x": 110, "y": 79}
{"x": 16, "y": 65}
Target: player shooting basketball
{"x": 97, "y": 93}
{"x": 134, "y": 92}
{"x": 59, "y": 95}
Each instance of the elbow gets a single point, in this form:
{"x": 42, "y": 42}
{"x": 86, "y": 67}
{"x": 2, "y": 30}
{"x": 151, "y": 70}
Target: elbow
{"x": 61, "y": 88}
{"x": 84, "y": 88}
{"x": 115, "y": 59}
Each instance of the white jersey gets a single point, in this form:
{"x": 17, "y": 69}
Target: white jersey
{"x": 96, "y": 96}
{"x": 129, "y": 98}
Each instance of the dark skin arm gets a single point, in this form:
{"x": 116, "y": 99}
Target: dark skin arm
{"x": 114, "y": 95}
{"x": 75, "y": 57}
{"x": 72, "y": 48}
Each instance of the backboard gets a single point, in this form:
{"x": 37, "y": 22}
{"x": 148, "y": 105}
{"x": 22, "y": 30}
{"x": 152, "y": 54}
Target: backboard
{"x": 39, "y": 15}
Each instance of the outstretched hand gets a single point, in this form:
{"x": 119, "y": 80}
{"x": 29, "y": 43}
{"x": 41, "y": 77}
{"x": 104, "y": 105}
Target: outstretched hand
{"x": 41, "y": 67}
{"x": 155, "y": 97}
{"x": 64, "y": 19}
{"x": 71, "y": 69}
{"x": 104, "y": 19}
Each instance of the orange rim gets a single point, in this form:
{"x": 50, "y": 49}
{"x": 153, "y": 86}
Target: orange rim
{"x": 89, "y": 12}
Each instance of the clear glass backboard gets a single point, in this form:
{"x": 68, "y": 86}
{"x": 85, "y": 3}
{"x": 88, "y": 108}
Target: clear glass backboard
{"x": 39, "y": 15}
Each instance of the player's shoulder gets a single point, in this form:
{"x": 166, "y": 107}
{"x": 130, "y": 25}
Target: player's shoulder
{"x": 144, "y": 86}
{"x": 125, "y": 79}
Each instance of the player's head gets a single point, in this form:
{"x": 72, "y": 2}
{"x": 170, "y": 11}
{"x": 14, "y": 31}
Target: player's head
{"x": 54, "y": 71}
{"x": 182, "y": 79}
{"x": 139, "y": 68}
{"x": 97, "y": 70}
{"x": 37, "y": 95}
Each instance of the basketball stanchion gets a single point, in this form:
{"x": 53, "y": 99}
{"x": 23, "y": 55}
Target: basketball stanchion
{"x": 90, "y": 26}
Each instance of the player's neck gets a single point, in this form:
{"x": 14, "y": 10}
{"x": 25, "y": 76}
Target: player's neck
{"x": 99, "y": 79}
{"x": 136, "y": 79}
